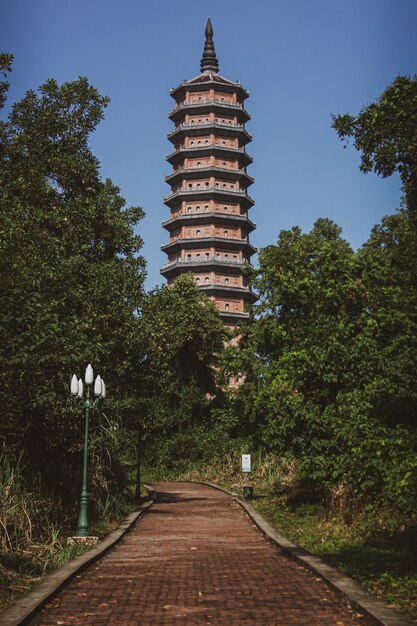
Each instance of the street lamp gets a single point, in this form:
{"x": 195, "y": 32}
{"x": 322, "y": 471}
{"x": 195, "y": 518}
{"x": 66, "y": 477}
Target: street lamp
{"x": 88, "y": 403}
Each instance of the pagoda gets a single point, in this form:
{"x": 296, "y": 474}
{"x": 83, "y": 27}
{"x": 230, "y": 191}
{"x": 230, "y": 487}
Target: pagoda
{"x": 208, "y": 223}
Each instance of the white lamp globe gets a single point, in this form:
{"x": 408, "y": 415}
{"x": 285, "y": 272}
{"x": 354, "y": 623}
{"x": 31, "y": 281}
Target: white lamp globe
{"x": 89, "y": 375}
{"x": 80, "y": 388}
{"x": 98, "y": 386}
{"x": 74, "y": 385}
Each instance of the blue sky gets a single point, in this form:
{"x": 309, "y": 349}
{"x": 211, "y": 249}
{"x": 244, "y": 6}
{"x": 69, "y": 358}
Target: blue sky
{"x": 301, "y": 60}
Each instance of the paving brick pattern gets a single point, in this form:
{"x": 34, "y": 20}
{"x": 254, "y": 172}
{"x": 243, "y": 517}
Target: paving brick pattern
{"x": 196, "y": 558}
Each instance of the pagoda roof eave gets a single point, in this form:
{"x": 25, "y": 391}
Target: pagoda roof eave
{"x": 209, "y": 218}
{"x": 207, "y": 193}
{"x": 238, "y": 154}
{"x": 206, "y": 128}
{"x": 232, "y": 290}
{"x": 171, "y": 269}
{"x": 194, "y": 173}
{"x": 203, "y": 242}
{"x": 210, "y": 79}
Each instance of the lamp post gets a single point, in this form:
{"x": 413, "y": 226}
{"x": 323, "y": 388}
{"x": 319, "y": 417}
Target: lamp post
{"x": 88, "y": 403}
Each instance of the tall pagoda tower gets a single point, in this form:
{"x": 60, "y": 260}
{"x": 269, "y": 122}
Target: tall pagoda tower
{"x": 208, "y": 223}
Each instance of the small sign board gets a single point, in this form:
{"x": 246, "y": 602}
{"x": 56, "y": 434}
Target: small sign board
{"x": 246, "y": 463}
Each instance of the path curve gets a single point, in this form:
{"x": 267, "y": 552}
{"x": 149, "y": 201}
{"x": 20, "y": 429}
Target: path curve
{"x": 196, "y": 558}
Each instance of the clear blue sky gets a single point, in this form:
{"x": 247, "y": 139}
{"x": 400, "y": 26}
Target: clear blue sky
{"x": 300, "y": 59}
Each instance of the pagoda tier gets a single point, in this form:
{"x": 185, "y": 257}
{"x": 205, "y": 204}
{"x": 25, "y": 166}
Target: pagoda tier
{"x": 208, "y": 224}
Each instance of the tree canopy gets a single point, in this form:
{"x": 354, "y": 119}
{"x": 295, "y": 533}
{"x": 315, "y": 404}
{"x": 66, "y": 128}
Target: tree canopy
{"x": 385, "y": 133}
{"x": 183, "y": 337}
{"x": 71, "y": 273}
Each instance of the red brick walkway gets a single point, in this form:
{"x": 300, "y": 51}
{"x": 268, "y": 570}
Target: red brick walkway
{"x": 196, "y": 558}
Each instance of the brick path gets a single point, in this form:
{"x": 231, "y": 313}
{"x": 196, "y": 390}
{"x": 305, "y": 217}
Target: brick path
{"x": 195, "y": 558}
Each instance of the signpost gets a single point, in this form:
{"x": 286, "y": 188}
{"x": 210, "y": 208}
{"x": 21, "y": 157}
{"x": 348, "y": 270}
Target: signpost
{"x": 246, "y": 463}
{"x": 246, "y": 469}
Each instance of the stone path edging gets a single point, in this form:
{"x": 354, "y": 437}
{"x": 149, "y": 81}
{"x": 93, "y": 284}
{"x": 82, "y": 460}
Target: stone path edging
{"x": 375, "y": 609}
{"x": 25, "y": 607}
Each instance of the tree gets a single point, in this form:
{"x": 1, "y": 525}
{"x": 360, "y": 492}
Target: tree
{"x": 330, "y": 362}
{"x": 309, "y": 299}
{"x": 388, "y": 260}
{"x": 70, "y": 272}
{"x": 385, "y": 132}
{"x": 183, "y": 337}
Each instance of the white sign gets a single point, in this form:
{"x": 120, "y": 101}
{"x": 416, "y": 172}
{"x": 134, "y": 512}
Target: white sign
{"x": 246, "y": 463}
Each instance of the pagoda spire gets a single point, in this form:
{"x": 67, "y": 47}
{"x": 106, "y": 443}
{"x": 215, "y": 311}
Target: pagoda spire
{"x": 209, "y": 62}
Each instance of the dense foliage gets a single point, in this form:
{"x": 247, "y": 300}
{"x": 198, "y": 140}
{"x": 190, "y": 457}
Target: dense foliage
{"x": 71, "y": 279}
{"x": 385, "y": 132}
{"x": 333, "y": 383}
{"x": 183, "y": 336}
{"x": 334, "y": 379}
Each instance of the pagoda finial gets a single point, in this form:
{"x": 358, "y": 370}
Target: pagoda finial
{"x": 209, "y": 62}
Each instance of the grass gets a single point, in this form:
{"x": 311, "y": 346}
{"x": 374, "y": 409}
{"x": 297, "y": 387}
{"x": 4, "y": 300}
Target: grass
{"x": 382, "y": 558}
{"x": 21, "y": 568}
{"x": 35, "y": 525}
{"x": 34, "y": 548}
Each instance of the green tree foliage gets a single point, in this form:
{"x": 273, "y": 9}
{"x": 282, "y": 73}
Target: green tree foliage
{"x": 388, "y": 264}
{"x": 70, "y": 273}
{"x": 333, "y": 382}
{"x": 308, "y": 302}
{"x": 183, "y": 336}
{"x": 330, "y": 362}
{"x": 385, "y": 132}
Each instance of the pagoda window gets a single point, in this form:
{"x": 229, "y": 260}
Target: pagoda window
{"x": 226, "y": 306}
{"x": 191, "y": 143}
{"x": 225, "y": 209}
{"x": 207, "y": 280}
{"x": 206, "y": 141}
{"x": 206, "y": 208}
{"x": 197, "y": 280}
{"x": 207, "y": 255}
{"x": 198, "y": 255}
{"x": 188, "y": 256}
{"x": 198, "y": 231}
{"x": 190, "y": 186}
{"x": 226, "y": 232}
{"x": 197, "y": 209}
{"x": 188, "y": 209}
{"x": 198, "y": 163}
{"x": 198, "y": 142}
{"x": 226, "y": 281}
{"x": 224, "y": 184}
